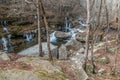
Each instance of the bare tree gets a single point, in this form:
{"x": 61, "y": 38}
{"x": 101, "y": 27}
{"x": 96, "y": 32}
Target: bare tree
{"x": 87, "y": 36}
{"x": 47, "y": 29}
{"x": 37, "y": 5}
{"x": 39, "y": 29}
{"x": 92, "y": 48}
{"x": 117, "y": 41}
{"x": 108, "y": 27}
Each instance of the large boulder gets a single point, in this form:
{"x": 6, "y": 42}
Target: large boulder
{"x": 63, "y": 53}
{"x": 34, "y": 50}
{"x": 62, "y": 35}
{"x": 77, "y": 63}
{"x": 4, "y": 56}
{"x": 73, "y": 45}
{"x": 69, "y": 49}
{"x": 41, "y": 70}
{"x": 81, "y": 37}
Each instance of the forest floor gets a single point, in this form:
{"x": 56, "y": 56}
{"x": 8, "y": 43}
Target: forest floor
{"x": 108, "y": 66}
{"x": 112, "y": 55}
{"x": 8, "y": 65}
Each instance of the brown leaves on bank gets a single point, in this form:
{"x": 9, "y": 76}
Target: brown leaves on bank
{"x": 13, "y": 64}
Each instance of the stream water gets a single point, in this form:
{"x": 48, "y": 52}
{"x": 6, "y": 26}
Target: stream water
{"x": 69, "y": 30}
{"x": 82, "y": 23}
{"x": 6, "y": 40}
{"x": 4, "y": 43}
{"x": 29, "y": 37}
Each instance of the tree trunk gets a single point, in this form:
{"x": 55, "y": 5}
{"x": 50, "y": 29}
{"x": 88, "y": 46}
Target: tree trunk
{"x": 107, "y": 19}
{"x": 99, "y": 14}
{"x": 47, "y": 30}
{"x": 39, "y": 29}
{"x": 117, "y": 42}
{"x": 92, "y": 48}
{"x": 87, "y": 36}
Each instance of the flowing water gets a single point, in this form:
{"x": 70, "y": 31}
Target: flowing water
{"x": 52, "y": 37}
{"x": 30, "y": 37}
{"x": 82, "y": 23}
{"x": 68, "y": 29}
{"x": 6, "y": 41}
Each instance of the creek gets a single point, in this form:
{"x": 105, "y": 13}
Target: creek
{"x": 29, "y": 38}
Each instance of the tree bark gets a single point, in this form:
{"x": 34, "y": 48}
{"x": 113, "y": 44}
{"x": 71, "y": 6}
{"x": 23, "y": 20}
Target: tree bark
{"x": 107, "y": 19}
{"x": 39, "y": 29}
{"x": 87, "y": 36}
{"x": 117, "y": 42}
{"x": 99, "y": 14}
{"x": 92, "y": 48}
{"x": 47, "y": 29}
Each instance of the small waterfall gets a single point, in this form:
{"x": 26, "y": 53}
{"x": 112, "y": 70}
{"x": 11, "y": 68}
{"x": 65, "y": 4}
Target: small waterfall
{"x": 68, "y": 29}
{"x": 67, "y": 25}
{"x": 4, "y": 26}
{"x": 4, "y": 43}
{"x": 5, "y": 30}
{"x": 28, "y": 36}
{"x": 52, "y": 37}
{"x": 74, "y": 32}
{"x": 81, "y": 31}
{"x": 73, "y": 36}
{"x": 82, "y": 23}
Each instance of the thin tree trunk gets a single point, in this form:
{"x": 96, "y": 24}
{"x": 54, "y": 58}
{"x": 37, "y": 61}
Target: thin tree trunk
{"x": 87, "y": 36}
{"x": 107, "y": 19}
{"x": 92, "y": 48}
{"x": 118, "y": 34}
{"x": 47, "y": 29}
{"x": 117, "y": 42}
{"x": 118, "y": 23}
{"x": 98, "y": 25}
{"x": 99, "y": 14}
{"x": 115, "y": 60}
{"x": 115, "y": 56}
{"x": 39, "y": 29}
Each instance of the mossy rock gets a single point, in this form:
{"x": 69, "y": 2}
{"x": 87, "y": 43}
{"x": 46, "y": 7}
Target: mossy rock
{"x": 104, "y": 60}
{"x": 89, "y": 68}
{"x": 41, "y": 70}
{"x": 16, "y": 74}
{"x": 111, "y": 50}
